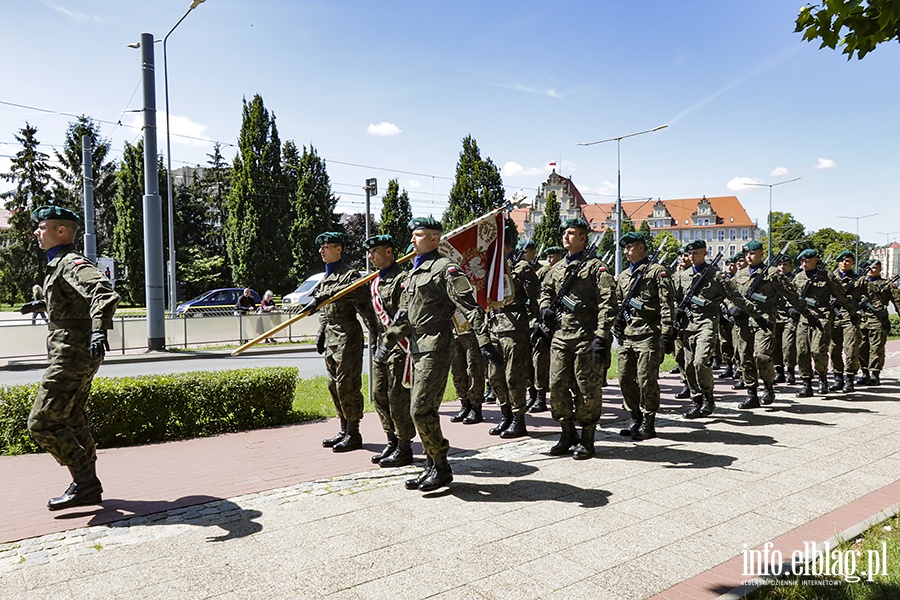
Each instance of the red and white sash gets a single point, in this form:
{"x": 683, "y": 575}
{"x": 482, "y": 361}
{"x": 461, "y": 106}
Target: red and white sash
{"x": 387, "y": 320}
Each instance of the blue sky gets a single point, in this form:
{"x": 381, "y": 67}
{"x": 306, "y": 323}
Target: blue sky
{"x": 394, "y": 86}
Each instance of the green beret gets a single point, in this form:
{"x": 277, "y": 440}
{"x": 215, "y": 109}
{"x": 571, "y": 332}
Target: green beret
{"x": 54, "y": 212}
{"x": 784, "y": 258}
{"x": 577, "y": 222}
{"x": 808, "y": 253}
{"x": 330, "y": 237}
{"x": 844, "y": 255}
{"x": 752, "y": 245}
{"x": 730, "y": 260}
{"x": 378, "y": 240}
{"x": 552, "y": 250}
{"x": 873, "y": 262}
{"x": 738, "y": 256}
{"x": 529, "y": 244}
{"x": 428, "y": 222}
{"x": 695, "y": 245}
{"x": 632, "y": 237}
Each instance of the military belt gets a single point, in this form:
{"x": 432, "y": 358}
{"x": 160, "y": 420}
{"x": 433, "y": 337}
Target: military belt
{"x": 434, "y": 327}
{"x": 339, "y": 320}
{"x": 69, "y": 324}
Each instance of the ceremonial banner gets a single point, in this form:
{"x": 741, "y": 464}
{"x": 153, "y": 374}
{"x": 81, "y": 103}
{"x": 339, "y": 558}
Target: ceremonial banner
{"x": 479, "y": 251}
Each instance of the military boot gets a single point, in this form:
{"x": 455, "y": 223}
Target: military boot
{"x": 541, "y": 404}
{"x": 863, "y": 379}
{"x": 823, "y": 384}
{"x": 506, "y": 411}
{"x": 84, "y": 490}
{"x": 708, "y": 406}
{"x": 714, "y": 363}
{"x": 330, "y": 442}
{"x": 739, "y": 384}
{"x": 807, "y": 390}
{"x": 848, "y": 384}
{"x": 388, "y": 450}
{"x": 694, "y": 411}
{"x": 752, "y": 400}
{"x": 647, "y": 430}
{"x": 684, "y": 393}
{"x": 838, "y": 385}
{"x": 463, "y": 411}
{"x": 413, "y": 484}
{"x": 768, "y": 395}
{"x": 441, "y": 475}
{"x": 490, "y": 396}
{"x": 874, "y": 379}
{"x": 791, "y": 378}
{"x": 585, "y": 447}
{"x": 400, "y": 457}
{"x": 351, "y": 441}
{"x": 516, "y": 429}
{"x": 567, "y": 439}
{"x": 532, "y": 397}
{"x": 474, "y": 415}
{"x": 728, "y": 373}
{"x": 637, "y": 418}
{"x": 779, "y": 374}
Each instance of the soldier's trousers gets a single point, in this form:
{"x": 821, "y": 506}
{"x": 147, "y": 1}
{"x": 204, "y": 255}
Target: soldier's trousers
{"x": 508, "y": 379}
{"x": 777, "y": 339}
{"x": 58, "y": 420}
{"x": 429, "y": 379}
{"x": 343, "y": 362}
{"x": 575, "y": 391}
{"x": 468, "y": 369}
{"x": 726, "y": 340}
{"x": 812, "y": 348}
{"x": 391, "y": 397}
{"x": 874, "y": 340}
{"x": 540, "y": 356}
{"x": 789, "y": 345}
{"x": 845, "y": 338}
{"x": 756, "y": 353}
{"x": 699, "y": 347}
{"x": 639, "y": 360}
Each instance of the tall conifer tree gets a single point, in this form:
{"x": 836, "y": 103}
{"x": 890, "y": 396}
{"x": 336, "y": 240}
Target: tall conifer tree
{"x": 477, "y": 189}
{"x": 395, "y": 216}
{"x": 313, "y": 213}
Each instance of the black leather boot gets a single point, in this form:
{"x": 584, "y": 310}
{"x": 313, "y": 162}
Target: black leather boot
{"x": 440, "y": 476}
{"x": 474, "y": 415}
{"x": 541, "y": 404}
{"x": 694, "y": 411}
{"x": 351, "y": 441}
{"x": 637, "y": 418}
{"x": 715, "y": 363}
{"x": 728, "y": 373}
{"x": 413, "y": 484}
{"x": 779, "y": 374}
{"x": 516, "y": 429}
{"x": 708, "y": 406}
{"x": 768, "y": 395}
{"x": 848, "y": 384}
{"x": 532, "y": 397}
{"x": 490, "y": 396}
{"x": 874, "y": 379}
{"x": 506, "y": 411}
{"x": 585, "y": 447}
{"x": 400, "y": 457}
{"x": 388, "y": 450}
{"x": 647, "y": 430}
{"x": 752, "y": 400}
{"x": 84, "y": 490}
{"x": 330, "y": 442}
{"x": 807, "y": 391}
{"x": 791, "y": 378}
{"x": 823, "y": 384}
{"x": 739, "y": 384}
{"x": 463, "y": 412}
{"x": 567, "y": 439}
{"x": 684, "y": 393}
{"x": 838, "y": 385}
{"x": 863, "y": 379}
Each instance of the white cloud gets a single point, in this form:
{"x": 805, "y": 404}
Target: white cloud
{"x": 413, "y": 184}
{"x": 184, "y": 131}
{"x": 737, "y": 184}
{"x": 514, "y": 169}
{"x": 72, "y": 14}
{"x": 384, "y": 129}
{"x": 825, "y": 163}
{"x": 779, "y": 172}
{"x": 551, "y": 92}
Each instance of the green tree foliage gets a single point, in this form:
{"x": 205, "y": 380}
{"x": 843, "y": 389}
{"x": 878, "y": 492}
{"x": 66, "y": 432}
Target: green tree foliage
{"x": 830, "y": 243}
{"x": 546, "y": 233}
{"x": 670, "y": 245}
{"x": 69, "y": 191}
{"x": 645, "y": 229}
{"x": 856, "y": 25}
{"x": 785, "y": 228}
{"x": 200, "y": 265}
{"x": 216, "y": 182}
{"x": 607, "y": 243}
{"x": 313, "y": 213}
{"x": 128, "y": 232}
{"x": 258, "y": 207}
{"x": 395, "y": 216}
{"x": 478, "y": 187}
{"x": 21, "y": 260}
{"x": 354, "y": 228}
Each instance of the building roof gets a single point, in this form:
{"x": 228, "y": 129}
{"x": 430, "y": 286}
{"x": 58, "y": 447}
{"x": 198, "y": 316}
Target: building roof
{"x": 520, "y": 216}
{"x": 728, "y": 209}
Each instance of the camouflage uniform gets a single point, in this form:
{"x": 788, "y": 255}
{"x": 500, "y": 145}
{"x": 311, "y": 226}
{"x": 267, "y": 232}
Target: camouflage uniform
{"x": 875, "y": 324}
{"x": 79, "y": 300}
{"x": 468, "y": 371}
{"x": 540, "y": 354}
{"x": 845, "y": 332}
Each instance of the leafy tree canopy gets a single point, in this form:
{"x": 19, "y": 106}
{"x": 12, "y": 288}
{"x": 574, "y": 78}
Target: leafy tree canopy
{"x": 858, "y": 26}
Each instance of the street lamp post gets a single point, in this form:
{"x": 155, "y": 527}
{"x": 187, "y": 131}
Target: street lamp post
{"x": 856, "y": 256}
{"x": 887, "y": 236}
{"x": 618, "y": 141}
{"x": 770, "y": 186}
{"x": 172, "y": 275}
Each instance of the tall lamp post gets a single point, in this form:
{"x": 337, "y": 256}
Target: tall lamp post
{"x": 618, "y": 141}
{"x": 887, "y": 236}
{"x": 856, "y": 256}
{"x": 770, "y": 186}
{"x": 173, "y": 297}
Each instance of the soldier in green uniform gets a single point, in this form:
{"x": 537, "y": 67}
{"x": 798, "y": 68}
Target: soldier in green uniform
{"x": 391, "y": 376}
{"x": 726, "y": 326}
{"x": 818, "y": 289}
{"x": 340, "y": 339}
{"x": 685, "y": 391}
{"x": 540, "y": 353}
{"x": 80, "y": 303}
{"x": 789, "y": 327}
{"x": 435, "y": 288}
{"x": 647, "y": 336}
{"x": 468, "y": 370}
{"x": 875, "y": 324}
{"x": 740, "y": 261}
{"x": 845, "y": 336}
{"x": 580, "y": 326}
{"x": 697, "y": 320}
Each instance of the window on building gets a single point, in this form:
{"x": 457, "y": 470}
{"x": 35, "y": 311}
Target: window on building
{"x": 745, "y": 234}
{"x": 709, "y": 235}
{"x": 732, "y": 234}
{"x": 721, "y": 235}
{"x": 731, "y": 250}
{"x": 721, "y": 249}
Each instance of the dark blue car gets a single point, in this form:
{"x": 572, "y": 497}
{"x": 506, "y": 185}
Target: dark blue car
{"x": 214, "y": 302}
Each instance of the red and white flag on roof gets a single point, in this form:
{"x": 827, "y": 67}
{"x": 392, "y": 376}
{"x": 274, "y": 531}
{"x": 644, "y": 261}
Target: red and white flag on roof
{"x": 478, "y": 249}
{"x": 553, "y": 164}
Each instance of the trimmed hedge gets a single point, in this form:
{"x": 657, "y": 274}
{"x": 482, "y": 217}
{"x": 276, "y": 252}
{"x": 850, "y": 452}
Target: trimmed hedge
{"x": 126, "y": 411}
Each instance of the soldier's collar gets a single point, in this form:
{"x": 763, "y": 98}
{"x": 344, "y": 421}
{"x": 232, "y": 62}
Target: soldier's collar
{"x": 637, "y": 265}
{"x": 332, "y": 267}
{"x": 421, "y": 258}
{"x": 52, "y": 252}
{"x": 573, "y": 257}
{"x": 387, "y": 269}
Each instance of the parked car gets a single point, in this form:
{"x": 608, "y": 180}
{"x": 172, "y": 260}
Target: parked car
{"x": 219, "y": 302}
{"x": 303, "y": 294}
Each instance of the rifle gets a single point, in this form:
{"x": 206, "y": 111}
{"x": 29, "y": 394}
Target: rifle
{"x": 759, "y": 276}
{"x": 684, "y": 307}
{"x": 813, "y": 320}
{"x": 561, "y": 300}
{"x": 623, "y": 317}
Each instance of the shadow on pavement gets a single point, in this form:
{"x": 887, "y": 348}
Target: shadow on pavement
{"x": 531, "y": 490}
